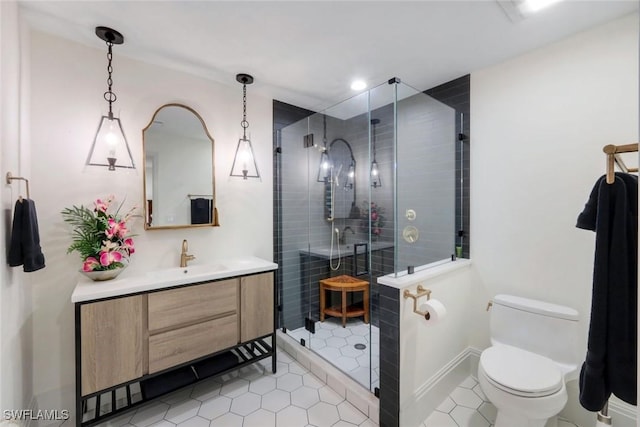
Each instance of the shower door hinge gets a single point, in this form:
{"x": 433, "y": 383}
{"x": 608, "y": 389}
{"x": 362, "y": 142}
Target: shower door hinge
{"x": 310, "y": 325}
{"x": 279, "y": 307}
{"x": 376, "y": 392}
{"x": 302, "y": 342}
{"x": 461, "y": 137}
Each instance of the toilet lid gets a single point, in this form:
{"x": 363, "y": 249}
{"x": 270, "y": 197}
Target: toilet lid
{"x": 521, "y": 372}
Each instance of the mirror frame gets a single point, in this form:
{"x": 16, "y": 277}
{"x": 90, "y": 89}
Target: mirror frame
{"x": 214, "y": 214}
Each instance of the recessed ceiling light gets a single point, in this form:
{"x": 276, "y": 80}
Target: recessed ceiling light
{"x": 358, "y": 85}
{"x": 531, "y": 6}
{"x": 517, "y": 10}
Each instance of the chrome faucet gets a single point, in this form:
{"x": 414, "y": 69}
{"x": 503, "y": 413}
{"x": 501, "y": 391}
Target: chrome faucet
{"x": 184, "y": 256}
{"x": 343, "y": 238}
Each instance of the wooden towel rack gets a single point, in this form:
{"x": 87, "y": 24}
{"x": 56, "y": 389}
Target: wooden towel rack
{"x": 613, "y": 158}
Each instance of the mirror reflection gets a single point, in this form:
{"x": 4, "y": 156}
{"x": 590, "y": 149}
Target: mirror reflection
{"x": 179, "y": 183}
{"x": 340, "y": 188}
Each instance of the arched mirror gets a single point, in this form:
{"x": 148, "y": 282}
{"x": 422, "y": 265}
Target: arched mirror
{"x": 340, "y": 183}
{"x": 179, "y": 186}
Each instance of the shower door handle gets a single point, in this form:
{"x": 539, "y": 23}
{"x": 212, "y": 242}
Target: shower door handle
{"x": 365, "y": 270}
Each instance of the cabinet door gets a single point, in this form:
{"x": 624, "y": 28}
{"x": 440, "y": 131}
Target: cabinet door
{"x": 192, "y": 304}
{"x": 182, "y": 345}
{"x": 256, "y": 306}
{"x": 111, "y": 334}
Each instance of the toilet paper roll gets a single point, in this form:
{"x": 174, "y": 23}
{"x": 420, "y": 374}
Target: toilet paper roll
{"x": 435, "y": 310}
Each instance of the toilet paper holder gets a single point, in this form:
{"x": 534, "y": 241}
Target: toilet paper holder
{"x": 420, "y": 292}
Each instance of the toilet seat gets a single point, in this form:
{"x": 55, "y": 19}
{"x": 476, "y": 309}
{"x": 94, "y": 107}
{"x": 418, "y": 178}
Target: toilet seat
{"x": 520, "y": 372}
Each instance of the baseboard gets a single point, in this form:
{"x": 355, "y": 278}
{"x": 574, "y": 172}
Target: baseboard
{"x": 337, "y": 380}
{"x": 416, "y": 408}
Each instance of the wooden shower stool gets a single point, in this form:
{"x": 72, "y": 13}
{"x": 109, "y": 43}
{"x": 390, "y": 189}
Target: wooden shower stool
{"x": 344, "y": 284}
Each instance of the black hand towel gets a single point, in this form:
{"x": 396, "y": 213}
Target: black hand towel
{"x": 200, "y": 211}
{"x": 610, "y": 365}
{"x": 25, "y": 239}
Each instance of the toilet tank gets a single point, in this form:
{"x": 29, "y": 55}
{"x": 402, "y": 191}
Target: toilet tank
{"x": 547, "y": 329}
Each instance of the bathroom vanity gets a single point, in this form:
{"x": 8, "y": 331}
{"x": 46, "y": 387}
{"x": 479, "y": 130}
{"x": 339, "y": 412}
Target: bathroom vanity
{"x": 141, "y": 337}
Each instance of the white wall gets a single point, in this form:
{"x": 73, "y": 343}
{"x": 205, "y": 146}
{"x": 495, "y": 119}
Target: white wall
{"x": 67, "y": 83}
{"x": 434, "y": 356}
{"x": 15, "y": 286}
{"x": 538, "y": 125}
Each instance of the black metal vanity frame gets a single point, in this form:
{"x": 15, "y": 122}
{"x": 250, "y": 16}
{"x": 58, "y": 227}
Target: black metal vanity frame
{"x": 247, "y": 353}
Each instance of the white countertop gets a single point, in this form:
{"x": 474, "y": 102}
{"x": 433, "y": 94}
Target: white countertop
{"x": 88, "y": 290}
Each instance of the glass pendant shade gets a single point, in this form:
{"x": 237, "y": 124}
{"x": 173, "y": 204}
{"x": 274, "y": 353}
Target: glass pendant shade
{"x": 351, "y": 173}
{"x": 110, "y": 147}
{"x": 324, "y": 167}
{"x": 375, "y": 175}
{"x": 376, "y": 182}
{"x": 244, "y": 162}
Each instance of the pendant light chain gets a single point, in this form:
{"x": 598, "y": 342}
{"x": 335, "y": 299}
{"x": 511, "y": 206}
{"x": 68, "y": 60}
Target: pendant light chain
{"x": 374, "y": 141}
{"x": 109, "y": 96}
{"x": 324, "y": 132}
{"x": 244, "y": 123}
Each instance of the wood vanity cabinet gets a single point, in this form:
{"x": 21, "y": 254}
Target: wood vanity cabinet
{"x": 129, "y": 339}
{"x": 111, "y": 342}
{"x": 256, "y": 306}
{"x": 191, "y": 322}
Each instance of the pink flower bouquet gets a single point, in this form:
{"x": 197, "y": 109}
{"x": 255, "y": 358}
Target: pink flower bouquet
{"x": 101, "y": 238}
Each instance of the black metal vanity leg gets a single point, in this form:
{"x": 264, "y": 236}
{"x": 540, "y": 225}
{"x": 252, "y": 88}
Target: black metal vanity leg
{"x": 274, "y": 352}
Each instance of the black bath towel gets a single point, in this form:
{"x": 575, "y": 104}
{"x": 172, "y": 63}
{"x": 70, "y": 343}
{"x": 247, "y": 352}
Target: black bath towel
{"x": 610, "y": 365}
{"x": 200, "y": 211}
{"x": 25, "y": 248}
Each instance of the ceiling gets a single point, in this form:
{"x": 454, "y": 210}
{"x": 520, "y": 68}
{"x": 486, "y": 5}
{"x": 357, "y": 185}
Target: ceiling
{"x": 307, "y": 53}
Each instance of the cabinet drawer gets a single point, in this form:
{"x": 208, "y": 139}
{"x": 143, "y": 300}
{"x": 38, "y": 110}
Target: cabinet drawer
{"x": 181, "y": 345}
{"x": 188, "y": 305}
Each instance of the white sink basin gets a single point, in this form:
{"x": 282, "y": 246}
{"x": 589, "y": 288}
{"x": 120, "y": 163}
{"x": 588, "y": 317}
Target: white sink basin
{"x": 177, "y": 273}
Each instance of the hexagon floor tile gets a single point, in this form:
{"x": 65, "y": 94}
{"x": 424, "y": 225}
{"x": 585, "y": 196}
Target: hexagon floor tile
{"x": 467, "y": 406}
{"x": 293, "y": 397}
{"x": 338, "y": 346}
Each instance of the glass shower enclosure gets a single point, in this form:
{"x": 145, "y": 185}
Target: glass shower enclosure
{"x": 365, "y": 188}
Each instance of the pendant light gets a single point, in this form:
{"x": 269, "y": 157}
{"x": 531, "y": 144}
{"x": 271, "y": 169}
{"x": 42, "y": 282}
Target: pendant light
{"x": 244, "y": 162}
{"x": 325, "y": 165}
{"x": 110, "y": 147}
{"x": 376, "y": 182}
{"x": 351, "y": 173}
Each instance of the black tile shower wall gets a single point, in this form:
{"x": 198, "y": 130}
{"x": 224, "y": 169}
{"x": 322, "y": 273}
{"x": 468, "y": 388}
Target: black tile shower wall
{"x": 457, "y": 95}
{"x": 389, "y": 356}
{"x": 284, "y": 115}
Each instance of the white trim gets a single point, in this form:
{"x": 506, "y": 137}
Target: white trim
{"x": 416, "y": 408}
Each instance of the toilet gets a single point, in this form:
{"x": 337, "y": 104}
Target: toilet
{"x": 534, "y": 352}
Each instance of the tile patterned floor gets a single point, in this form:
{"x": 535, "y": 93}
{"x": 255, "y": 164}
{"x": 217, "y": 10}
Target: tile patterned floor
{"x": 293, "y": 397}
{"x": 467, "y": 406}
{"x": 250, "y": 397}
{"x": 337, "y": 345}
